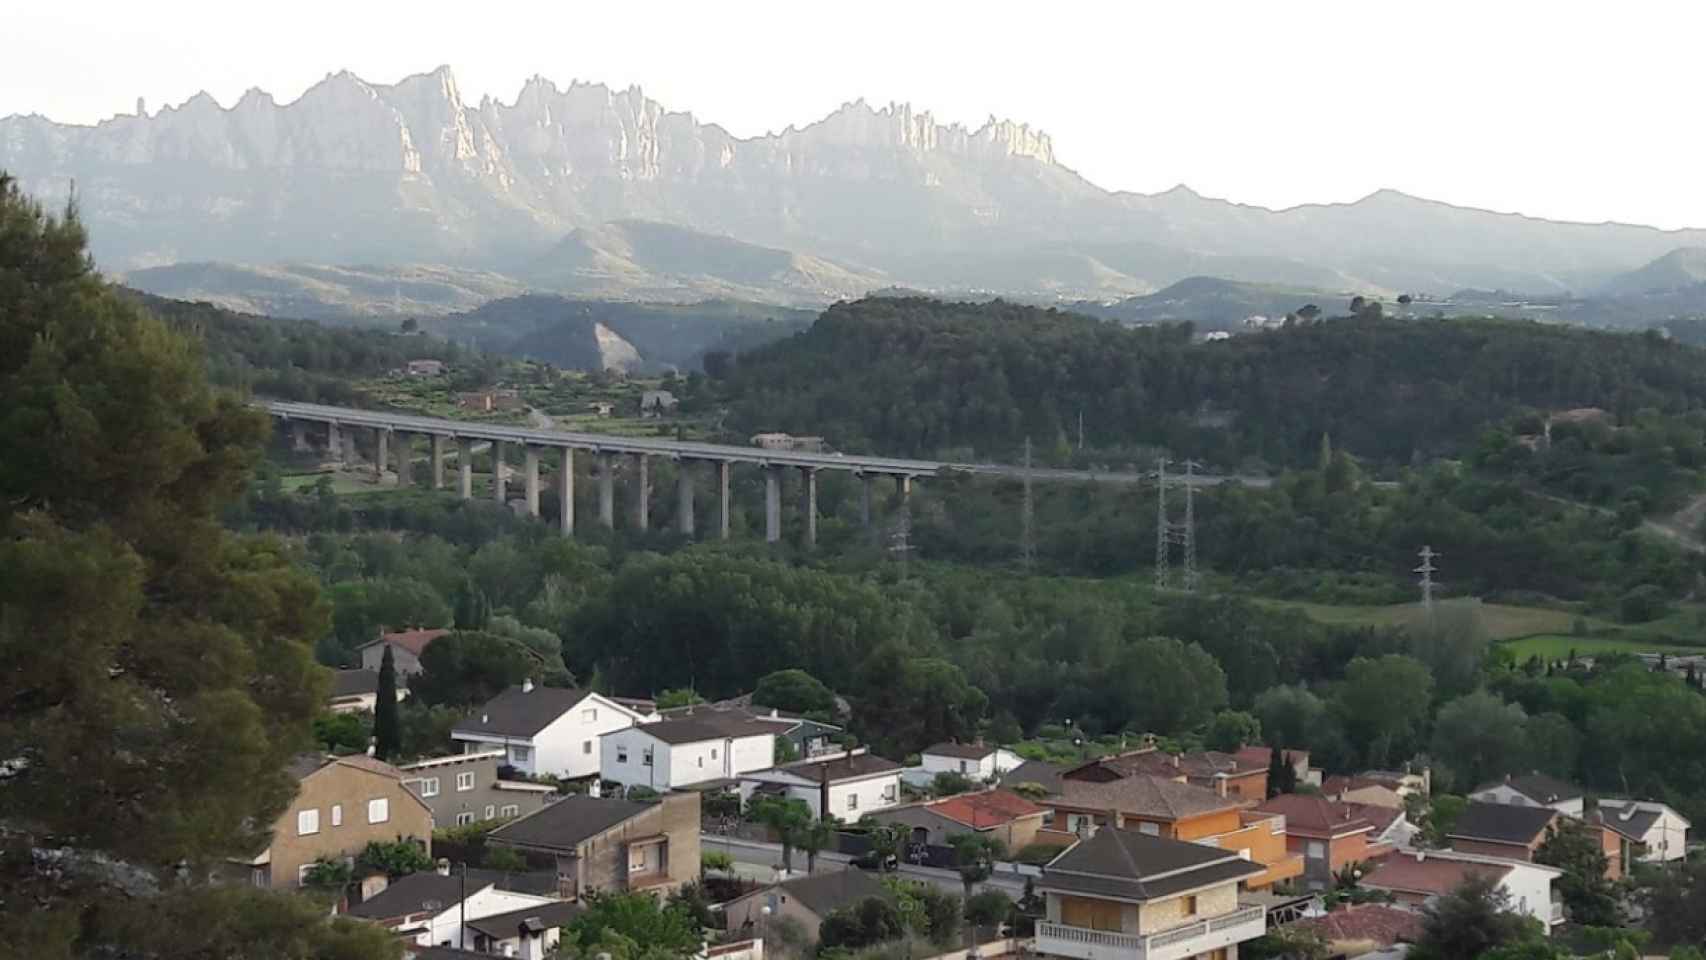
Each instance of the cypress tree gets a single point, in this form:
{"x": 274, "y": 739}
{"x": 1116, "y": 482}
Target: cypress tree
{"x": 1276, "y": 772}
{"x": 386, "y": 740}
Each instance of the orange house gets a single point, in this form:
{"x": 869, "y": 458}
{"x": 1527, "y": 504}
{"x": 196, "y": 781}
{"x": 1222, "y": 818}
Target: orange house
{"x": 1178, "y": 811}
{"x": 1327, "y": 835}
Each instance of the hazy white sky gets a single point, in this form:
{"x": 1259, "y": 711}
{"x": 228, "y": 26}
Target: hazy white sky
{"x": 1583, "y": 111}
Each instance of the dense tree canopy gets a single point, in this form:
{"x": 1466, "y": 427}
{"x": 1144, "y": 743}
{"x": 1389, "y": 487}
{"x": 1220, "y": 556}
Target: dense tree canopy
{"x": 159, "y": 670}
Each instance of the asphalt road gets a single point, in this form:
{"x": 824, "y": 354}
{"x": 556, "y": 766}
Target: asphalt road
{"x": 761, "y": 862}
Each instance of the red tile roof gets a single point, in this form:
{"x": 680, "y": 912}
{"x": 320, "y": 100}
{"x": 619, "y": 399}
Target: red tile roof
{"x": 1257, "y": 756}
{"x": 991, "y": 808}
{"x": 414, "y": 641}
{"x": 1429, "y": 876}
{"x": 1337, "y": 784}
{"x": 1375, "y": 922}
{"x": 1312, "y": 816}
{"x": 1381, "y": 817}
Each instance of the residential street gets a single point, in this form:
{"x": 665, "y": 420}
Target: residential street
{"x": 760, "y": 861}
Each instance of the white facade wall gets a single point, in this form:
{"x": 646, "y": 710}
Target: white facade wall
{"x": 1530, "y": 892}
{"x": 681, "y": 764}
{"x": 622, "y": 755}
{"x": 1506, "y": 794}
{"x": 852, "y": 800}
{"x": 975, "y": 769}
{"x": 1666, "y": 840}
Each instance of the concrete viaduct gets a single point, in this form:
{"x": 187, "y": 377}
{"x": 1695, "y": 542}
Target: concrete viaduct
{"x": 394, "y": 432}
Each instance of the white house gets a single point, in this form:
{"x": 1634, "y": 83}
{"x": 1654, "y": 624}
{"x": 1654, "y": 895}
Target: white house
{"x": 546, "y": 730}
{"x": 1417, "y": 877}
{"x": 689, "y": 749}
{"x": 974, "y": 760}
{"x": 1532, "y": 790}
{"x": 429, "y": 909}
{"x": 844, "y": 786}
{"x": 1662, "y": 831}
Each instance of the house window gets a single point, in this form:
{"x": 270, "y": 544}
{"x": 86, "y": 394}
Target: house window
{"x": 889, "y": 793}
{"x": 302, "y": 874}
{"x": 307, "y": 822}
{"x": 621, "y": 754}
{"x": 1244, "y": 853}
{"x": 713, "y": 753}
{"x": 852, "y": 801}
{"x": 646, "y": 756}
{"x": 1153, "y": 829}
{"x": 636, "y": 859}
{"x": 491, "y": 811}
{"x": 378, "y": 811}
{"x": 1188, "y": 906}
{"x": 464, "y": 818}
{"x": 1317, "y": 850}
{"x": 464, "y": 781}
{"x": 520, "y": 754}
{"x": 962, "y": 766}
{"x": 586, "y": 747}
{"x": 701, "y": 762}
{"x": 589, "y": 715}
{"x": 510, "y": 810}
{"x": 429, "y": 787}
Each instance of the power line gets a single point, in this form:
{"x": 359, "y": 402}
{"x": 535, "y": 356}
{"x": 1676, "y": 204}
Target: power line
{"x": 1427, "y": 570}
{"x": 1170, "y": 533}
{"x": 1162, "y": 524}
{"x": 1027, "y": 535}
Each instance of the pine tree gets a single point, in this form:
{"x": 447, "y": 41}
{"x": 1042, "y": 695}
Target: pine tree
{"x": 473, "y": 611}
{"x": 386, "y": 739}
{"x": 1276, "y": 772}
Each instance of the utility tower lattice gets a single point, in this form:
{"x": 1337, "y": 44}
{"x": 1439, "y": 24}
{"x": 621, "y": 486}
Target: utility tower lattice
{"x": 1027, "y": 535}
{"x": 1169, "y": 532}
{"x": 1427, "y": 570}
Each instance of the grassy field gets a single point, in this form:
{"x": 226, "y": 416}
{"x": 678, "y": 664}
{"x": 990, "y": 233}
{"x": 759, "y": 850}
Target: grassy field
{"x": 1552, "y": 646}
{"x": 1504, "y": 622}
{"x": 342, "y": 484}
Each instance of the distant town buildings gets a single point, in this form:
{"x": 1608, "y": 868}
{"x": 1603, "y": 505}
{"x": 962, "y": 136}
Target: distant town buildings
{"x": 787, "y": 441}
{"x": 656, "y": 403}
{"x": 424, "y": 368}
{"x": 487, "y": 401}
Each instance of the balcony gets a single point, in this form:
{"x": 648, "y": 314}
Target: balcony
{"x": 1178, "y": 943}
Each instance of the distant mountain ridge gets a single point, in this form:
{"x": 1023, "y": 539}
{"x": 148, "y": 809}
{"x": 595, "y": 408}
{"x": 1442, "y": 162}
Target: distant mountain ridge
{"x": 354, "y": 172}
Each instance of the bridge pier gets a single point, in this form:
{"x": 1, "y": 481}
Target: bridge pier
{"x": 381, "y": 451}
{"x": 403, "y": 449}
{"x": 808, "y": 503}
{"x": 684, "y": 497}
{"x": 606, "y": 491}
{"x": 642, "y": 492}
{"x": 334, "y": 442}
{"x": 437, "y": 461}
{"x": 299, "y": 437}
{"x": 772, "y": 504}
{"x": 498, "y": 472}
{"x": 465, "y": 467}
{"x": 865, "y": 481}
{"x": 349, "y": 458}
{"x": 530, "y": 473}
{"x": 903, "y": 486}
{"x": 723, "y": 498}
{"x": 566, "y": 493}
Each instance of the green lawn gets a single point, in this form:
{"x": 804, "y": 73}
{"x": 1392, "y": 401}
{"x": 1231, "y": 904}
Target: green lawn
{"x": 1552, "y": 646}
{"x": 1504, "y": 622}
{"x": 342, "y": 484}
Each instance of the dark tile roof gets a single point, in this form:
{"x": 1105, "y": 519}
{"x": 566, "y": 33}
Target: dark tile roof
{"x": 514, "y": 713}
{"x": 960, "y": 751}
{"x": 1040, "y": 772}
{"x": 825, "y": 893}
{"x": 712, "y": 725}
{"x": 1625, "y": 818}
{"x": 354, "y": 683}
{"x": 564, "y": 824}
{"x": 1539, "y": 787}
{"x": 410, "y": 894}
{"x": 1405, "y": 873}
{"x": 406, "y": 895}
{"x": 1151, "y": 797}
{"x": 1131, "y": 865}
{"x": 503, "y": 926}
{"x": 413, "y": 952}
{"x": 304, "y": 764}
{"x": 1502, "y": 823}
{"x": 848, "y": 767}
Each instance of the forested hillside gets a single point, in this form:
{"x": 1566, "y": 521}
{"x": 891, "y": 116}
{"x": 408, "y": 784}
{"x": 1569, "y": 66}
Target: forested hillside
{"x": 916, "y": 376}
{"x": 294, "y": 359}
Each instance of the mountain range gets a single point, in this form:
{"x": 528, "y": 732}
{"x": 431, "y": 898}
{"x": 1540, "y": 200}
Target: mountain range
{"x": 360, "y": 197}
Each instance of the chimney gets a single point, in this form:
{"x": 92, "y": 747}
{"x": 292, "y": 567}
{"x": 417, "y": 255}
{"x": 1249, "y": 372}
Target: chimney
{"x": 372, "y": 746}
{"x": 773, "y": 713}
{"x": 485, "y": 718}
{"x": 443, "y": 867}
{"x": 527, "y": 685}
{"x": 1421, "y": 855}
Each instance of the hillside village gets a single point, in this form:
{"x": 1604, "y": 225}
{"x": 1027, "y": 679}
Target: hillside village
{"x": 544, "y": 800}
